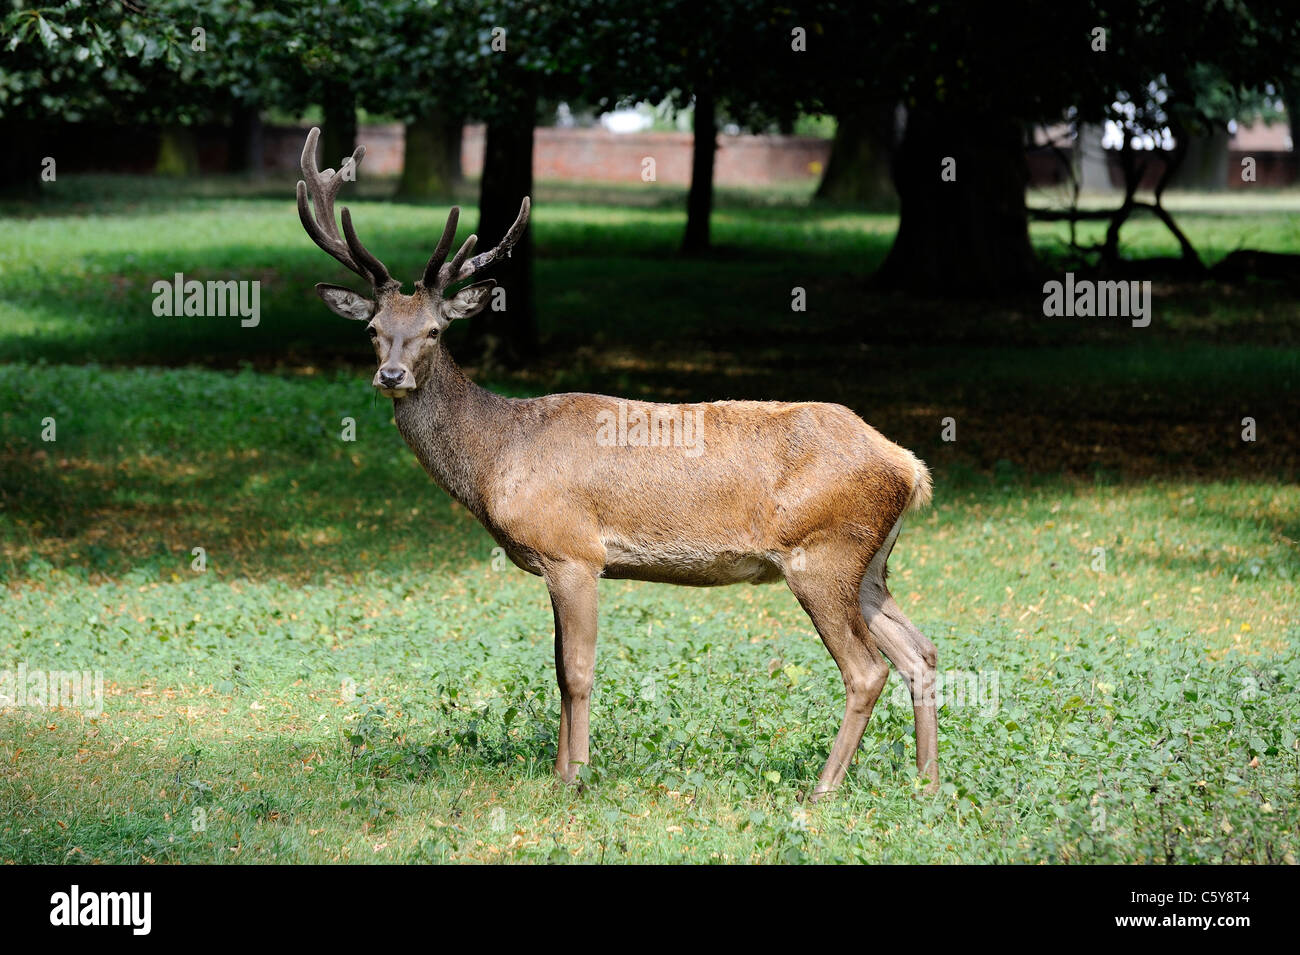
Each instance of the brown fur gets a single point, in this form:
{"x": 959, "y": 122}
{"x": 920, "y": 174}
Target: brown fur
{"x": 802, "y": 491}
{"x": 730, "y": 492}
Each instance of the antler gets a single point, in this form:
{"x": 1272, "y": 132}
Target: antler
{"x": 323, "y": 187}
{"x": 438, "y": 276}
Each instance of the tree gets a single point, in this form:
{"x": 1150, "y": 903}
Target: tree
{"x": 530, "y": 52}
{"x": 840, "y": 39}
{"x": 858, "y": 169}
{"x": 511, "y": 333}
{"x": 1173, "y": 85}
{"x": 715, "y": 56}
{"x": 328, "y": 55}
{"x": 960, "y": 170}
{"x": 73, "y": 62}
{"x": 238, "y": 74}
{"x": 171, "y": 64}
{"x": 972, "y": 85}
{"x": 699, "y": 199}
{"x": 431, "y": 165}
{"x": 429, "y": 68}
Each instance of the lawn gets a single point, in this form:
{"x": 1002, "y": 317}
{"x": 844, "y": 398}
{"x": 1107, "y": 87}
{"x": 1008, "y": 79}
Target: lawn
{"x": 1109, "y": 571}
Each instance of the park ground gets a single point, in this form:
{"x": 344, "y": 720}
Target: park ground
{"x": 1109, "y": 570}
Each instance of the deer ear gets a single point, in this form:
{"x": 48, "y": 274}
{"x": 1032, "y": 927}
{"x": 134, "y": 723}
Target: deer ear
{"x": 468, "y": 301}
{"x": 345, "y": 302}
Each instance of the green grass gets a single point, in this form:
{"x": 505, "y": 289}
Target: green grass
{"x": 356, "y": 676}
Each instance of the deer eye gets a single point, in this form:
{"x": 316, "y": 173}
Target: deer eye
{"x": 372, "y": 331}
{"x": 433, "y": 335}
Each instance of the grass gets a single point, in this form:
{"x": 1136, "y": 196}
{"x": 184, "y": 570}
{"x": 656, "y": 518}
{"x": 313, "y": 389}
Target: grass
{"x": 1109, "y": 571}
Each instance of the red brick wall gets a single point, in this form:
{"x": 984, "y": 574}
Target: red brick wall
{"x": 594, "y": 155}
{"x": 597, "y": 155}
{"x": 1273, "y": 167}
{"x": 282, "y": 147}
{"x": 589, "y": 154}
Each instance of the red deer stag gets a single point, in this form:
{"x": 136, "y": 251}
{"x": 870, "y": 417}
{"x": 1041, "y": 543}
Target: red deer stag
{"x": 575, "y": 487}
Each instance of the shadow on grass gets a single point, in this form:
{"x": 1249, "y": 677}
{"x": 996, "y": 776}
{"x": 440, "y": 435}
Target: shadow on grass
{"x": 619, "y": 277}
{"x": 262, "y": 514}
{"x": 607, "y": 276}
{"x": 258, "y": 469}
{"x": 253, "y": 516}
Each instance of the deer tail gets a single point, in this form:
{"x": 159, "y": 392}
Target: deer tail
{"x": 922, "y": 486}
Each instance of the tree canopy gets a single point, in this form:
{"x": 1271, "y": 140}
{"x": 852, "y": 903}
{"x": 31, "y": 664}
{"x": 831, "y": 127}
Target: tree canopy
{"x": 970, "y": 85}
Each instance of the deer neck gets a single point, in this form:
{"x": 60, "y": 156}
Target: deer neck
{"x": 455, "y": 428}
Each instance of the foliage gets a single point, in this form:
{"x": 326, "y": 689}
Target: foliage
{"x": 76, "y": 57}
{"x": 82, "y": 58}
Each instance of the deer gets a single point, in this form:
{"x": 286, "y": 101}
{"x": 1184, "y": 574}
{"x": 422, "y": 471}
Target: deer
{"x": 575, "y": 487}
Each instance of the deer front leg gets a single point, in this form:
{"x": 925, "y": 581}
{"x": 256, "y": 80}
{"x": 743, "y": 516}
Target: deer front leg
{"x": 573, "y": 598}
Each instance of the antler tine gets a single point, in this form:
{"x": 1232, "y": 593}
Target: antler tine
{"x": 484, "y": 259}
{"x": 430, "y": 279}
{"x": 318, "y": 235}
{"x": 323, "y": 187}
{"x": 379, "y": 274}
{"x": 452, "y": 272}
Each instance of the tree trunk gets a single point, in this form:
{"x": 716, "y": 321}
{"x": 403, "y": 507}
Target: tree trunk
{"x": 699, "y": 201}
{"x": 508, "y": 336}
{"x": 246, "y": 144}
{"x": 968, "y": 236}
{"x": 1134, "y": 169}
{"x": 339, "y": 137}
{"x": 1205, "y": 163}
{"x": 20, "y": 159}
{"x": 431, "y": 156}
{"x": 1291, "y": 103}
{"x": 858, "y": 167}
{"x": 178, "y": 154}
{"x": 1092, "y": 163}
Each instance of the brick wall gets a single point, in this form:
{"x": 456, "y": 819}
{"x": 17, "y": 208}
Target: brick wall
{"x": 1274, "y": 168}
{"x": 593, "y": 155}
{"x": 282, "y": 148}
{"x": 597, "y": 155}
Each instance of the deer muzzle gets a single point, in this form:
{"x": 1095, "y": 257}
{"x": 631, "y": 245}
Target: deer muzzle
{"x": 394, "y": 382}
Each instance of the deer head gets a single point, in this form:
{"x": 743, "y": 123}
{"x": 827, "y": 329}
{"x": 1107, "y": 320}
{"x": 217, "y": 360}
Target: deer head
{"x": 403, "y": 328}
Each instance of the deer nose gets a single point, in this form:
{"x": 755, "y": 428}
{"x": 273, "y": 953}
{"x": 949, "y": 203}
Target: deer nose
{"x": 389, "y": 378}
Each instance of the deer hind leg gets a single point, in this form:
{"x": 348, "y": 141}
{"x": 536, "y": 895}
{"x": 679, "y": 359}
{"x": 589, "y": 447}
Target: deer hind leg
{"x": 566, "y": 709}
{"x": 573, "y": 599}
{"x": 910, "y": 651}
{"x": 838, "y": 621}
